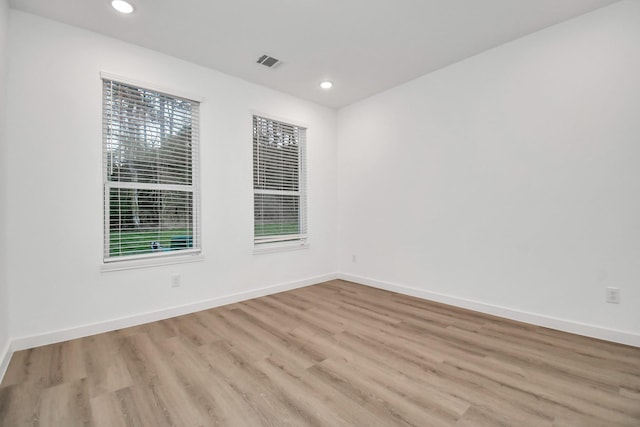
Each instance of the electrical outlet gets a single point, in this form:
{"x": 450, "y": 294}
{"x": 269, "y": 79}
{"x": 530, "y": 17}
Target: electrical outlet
{"x": 354, "y": 258}
{"x": 613, "y": 295}
{"x": 175, "y": 281}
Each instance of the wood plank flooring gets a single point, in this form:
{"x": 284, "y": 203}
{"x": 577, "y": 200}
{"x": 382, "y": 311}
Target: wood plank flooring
{"x": 333, "y": 354}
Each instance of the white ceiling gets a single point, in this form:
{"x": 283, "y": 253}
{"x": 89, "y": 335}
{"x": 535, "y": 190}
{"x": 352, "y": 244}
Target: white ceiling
{"x": 363, "y": 46}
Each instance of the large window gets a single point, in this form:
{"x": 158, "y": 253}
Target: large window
{"x": 151, "y": 194}
{"x": 279, "y": 192}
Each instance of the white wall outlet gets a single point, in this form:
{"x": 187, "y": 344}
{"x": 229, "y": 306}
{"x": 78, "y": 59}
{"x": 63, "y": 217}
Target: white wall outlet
{"x": 354, "y": 258}
{"x": 175, "y": 280}
{"x": 613, "y": 295}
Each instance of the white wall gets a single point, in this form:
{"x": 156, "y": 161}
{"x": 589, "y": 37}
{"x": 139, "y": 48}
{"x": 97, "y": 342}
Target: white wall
{"x": 511, "y": 179}
{"x": 55, "y": 197}
{"x": 4, "y": 292}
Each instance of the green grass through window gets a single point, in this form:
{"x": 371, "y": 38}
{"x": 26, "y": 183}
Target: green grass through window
{"x": 277, "y": 229}
{"x": 139, "y": 242}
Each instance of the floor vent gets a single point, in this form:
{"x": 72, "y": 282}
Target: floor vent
{"x": 269, "y": 61}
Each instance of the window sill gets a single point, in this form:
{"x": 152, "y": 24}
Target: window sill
{"x": 149, "y": 262}
{"x": 267, "y": 248}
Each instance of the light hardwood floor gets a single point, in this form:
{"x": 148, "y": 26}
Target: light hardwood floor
{"x": 333, "y": 354}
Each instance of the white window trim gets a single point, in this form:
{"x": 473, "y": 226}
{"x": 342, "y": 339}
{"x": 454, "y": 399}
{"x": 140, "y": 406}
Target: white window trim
{"x": 185, "y": 256}
{"x": 287, "y": 120}
{"x": 130, "y": 264}
{"x": 104, "y": 75}
{"x": 267, "y": 248}
{"x": 280, "y": 246}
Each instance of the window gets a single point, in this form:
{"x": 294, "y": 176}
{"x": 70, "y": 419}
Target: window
{"x": 150, "y": 161}
{"x": 279, "y": 193}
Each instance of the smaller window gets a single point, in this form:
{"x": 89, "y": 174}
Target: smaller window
{"x": 279, "y": 183}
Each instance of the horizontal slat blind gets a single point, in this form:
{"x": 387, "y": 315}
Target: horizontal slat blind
{"x": 279, "y": 182}
{"x": 151, "y": 158}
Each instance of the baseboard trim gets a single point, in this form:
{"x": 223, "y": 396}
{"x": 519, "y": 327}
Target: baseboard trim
{"x": 22, "y": 343}
{"x": 593, "y": 331}
{"x": 5, "y": 358}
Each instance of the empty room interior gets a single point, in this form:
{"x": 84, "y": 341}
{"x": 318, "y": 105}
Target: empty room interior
{"x": 331, "y": 213}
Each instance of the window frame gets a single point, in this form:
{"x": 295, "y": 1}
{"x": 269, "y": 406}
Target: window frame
{"x": 160, "y": 257}
{"x": 302, "y": 242}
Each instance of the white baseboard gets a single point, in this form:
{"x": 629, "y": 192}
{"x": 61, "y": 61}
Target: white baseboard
{"x": 22, "y": 343}
{"x": 5, "y": 358}
{"x": 593, "y": 331}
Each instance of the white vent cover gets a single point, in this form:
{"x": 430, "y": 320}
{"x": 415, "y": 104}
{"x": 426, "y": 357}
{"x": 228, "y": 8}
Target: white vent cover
{"x": 269, "y": 61}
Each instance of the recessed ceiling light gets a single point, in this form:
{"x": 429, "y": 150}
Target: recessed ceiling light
{"x": 326, "y": 85}
{"x": 122, "y": 6}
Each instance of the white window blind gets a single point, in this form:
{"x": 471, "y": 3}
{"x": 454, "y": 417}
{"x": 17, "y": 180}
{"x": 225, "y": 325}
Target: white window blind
{"x": 151, "y": 173}
{"x": 279, "y": 182}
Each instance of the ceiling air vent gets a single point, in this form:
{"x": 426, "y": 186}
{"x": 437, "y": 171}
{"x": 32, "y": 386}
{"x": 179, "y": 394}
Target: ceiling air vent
{"x": 269, "y": 61}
